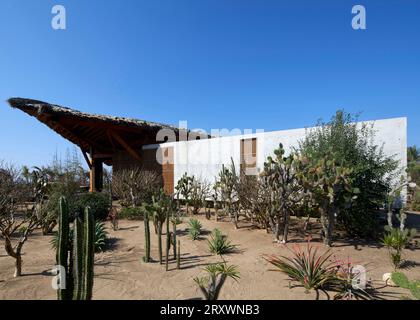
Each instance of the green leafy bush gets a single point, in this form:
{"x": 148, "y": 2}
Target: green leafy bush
{"x": 218, "y": 243}
{"x": 416, "y": 201}
{"x": 99, "y": 203}
{"x": 131, "y": 213}
{"x": 371, "y": 170}
{"x": 194, "y": 228}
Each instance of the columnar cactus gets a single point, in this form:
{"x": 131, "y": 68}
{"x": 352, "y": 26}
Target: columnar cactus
{"x": 178, "y": 256}
{"x": 168, "y": 240}
{"x": 88, "y": 254}
{"x": 146, "y": 257}
{"x": 63, "y": 247}
{"x": 76, "y": 257}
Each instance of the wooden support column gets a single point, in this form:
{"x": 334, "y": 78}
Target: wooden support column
{"x": 96, "y": 173}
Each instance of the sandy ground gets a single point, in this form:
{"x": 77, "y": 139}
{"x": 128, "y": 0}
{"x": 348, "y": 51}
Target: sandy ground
{"x": 120, "y": 273}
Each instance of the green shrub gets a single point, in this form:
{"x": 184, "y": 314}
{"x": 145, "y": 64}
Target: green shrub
{"x": 416, "y": 201}
{"x": 372, "y": 171}
{"x": 99, "y": 203}
{"x": 131, "y": 213}
{"x": 218, "y": 243}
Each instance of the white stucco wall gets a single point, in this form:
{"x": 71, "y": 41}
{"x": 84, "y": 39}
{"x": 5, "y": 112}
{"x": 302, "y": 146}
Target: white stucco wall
{"x": 204, "y": 158}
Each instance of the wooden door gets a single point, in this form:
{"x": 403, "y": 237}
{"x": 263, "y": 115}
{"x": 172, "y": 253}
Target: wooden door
{"x": 249, "y": 156}
{"x": 168, "y": 170}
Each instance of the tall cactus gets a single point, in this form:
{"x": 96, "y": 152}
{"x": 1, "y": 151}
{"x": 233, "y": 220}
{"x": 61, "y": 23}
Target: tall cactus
{"x": 63, "y": 246}
{"x": 168, "y": 239}
{"x": 88, "y": 254}
{"x": 174, "y": 238}
{"x": 178, "y": 256}
{"x": 76, "y": 256}
{"x": 146, "y": 257}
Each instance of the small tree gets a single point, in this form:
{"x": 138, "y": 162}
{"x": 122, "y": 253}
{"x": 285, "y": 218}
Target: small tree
{"x": 15, "y": 226}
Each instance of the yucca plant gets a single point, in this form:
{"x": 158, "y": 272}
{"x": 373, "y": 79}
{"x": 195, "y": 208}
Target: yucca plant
{"x": 396, "y": 240}
{"x": 218, "y": 243}
{"x": 211, "y": 284}
{"x": 101, "y": 237}
{"x": 194, "y": 228}
{"x": 310, "y": 269}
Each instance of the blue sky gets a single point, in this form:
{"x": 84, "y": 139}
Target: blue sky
{"x": 217, "y": 64}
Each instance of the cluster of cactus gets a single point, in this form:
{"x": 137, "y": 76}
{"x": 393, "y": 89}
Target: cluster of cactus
{"x": 184, "y": 188}
{"x": 76, "y": 257}
{"x": 401, "y": 280}
{"x": 280, "y": 178}
{"x": 162, "y": 209}
{"x": 329, "y": 188}
{"x": 226, "y": 185}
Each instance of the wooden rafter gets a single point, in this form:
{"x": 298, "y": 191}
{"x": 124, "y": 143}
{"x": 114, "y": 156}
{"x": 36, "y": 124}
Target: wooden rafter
{"x": 88, "y": 161}
{"x": 126, "y": 146}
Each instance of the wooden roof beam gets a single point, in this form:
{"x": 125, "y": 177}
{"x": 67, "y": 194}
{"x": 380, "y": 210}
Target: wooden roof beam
{"x": 126, "y": 146}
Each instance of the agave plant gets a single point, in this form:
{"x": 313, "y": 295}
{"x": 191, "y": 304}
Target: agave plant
{"x": 218, "y": 243}
{"x": 194, "y": 228}
{"x": 211, "y": 284}
{"x": 101, "y": 237}
{"x": 310, "y": 269}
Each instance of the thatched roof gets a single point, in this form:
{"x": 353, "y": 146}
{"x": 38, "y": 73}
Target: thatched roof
{"x": 103, "y": 133}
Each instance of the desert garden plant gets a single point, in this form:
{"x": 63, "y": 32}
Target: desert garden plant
{"x": 219, "y": 244}
{"x": 135, "y": 186}
{"x": 76, "y": 257}
{"x": 329, "y": 188}
{"x": 100, "y": 237}
{"x": 194, "y": 228}
{"x": 281, "y": 179}
{"x": 131, "y": 213}
{"x": 372, "y": 172}
{"x": 183, "y": 188}
{"x": 226, "y": 185}
{"x": 15, "y": 225}
{"x": 199, "y": 192}
{"x": 212, "y": 284}
{"x": 306, "y": 266}
{"x": 401, "y": 280}
{"x": 396, "y": 240}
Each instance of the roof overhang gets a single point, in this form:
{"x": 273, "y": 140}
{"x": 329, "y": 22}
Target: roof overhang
{"x": 103, "y": 134}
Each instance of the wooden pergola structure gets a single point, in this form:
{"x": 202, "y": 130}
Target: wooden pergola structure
{"x": 99, "y": 137}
